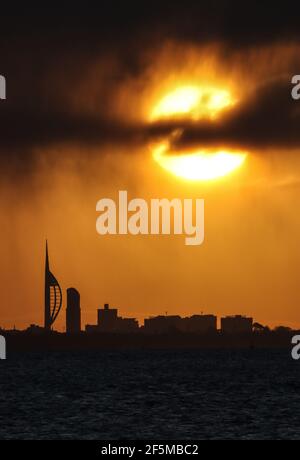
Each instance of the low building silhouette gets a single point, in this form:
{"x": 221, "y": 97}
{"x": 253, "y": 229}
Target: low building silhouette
{"x": 200, "y": 324}
{"x": 172, "y": 323}
{"x": 236, "y": 324}
{"x": 73, "y": 313}
{"x": 110, "y": 322}
{"x": 127, "y": 325}
{"x": 35, "y": 329}
{"x": 162, "y": 324}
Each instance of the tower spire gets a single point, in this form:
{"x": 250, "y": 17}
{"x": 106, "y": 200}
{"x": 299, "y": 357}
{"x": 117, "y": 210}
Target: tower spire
{"x": 47, "y": 314}
{"x": 53, "y": 295}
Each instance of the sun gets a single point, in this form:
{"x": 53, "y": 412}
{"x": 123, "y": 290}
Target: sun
{"x": 201, "y": 164}
{"x": 196, "y": 102}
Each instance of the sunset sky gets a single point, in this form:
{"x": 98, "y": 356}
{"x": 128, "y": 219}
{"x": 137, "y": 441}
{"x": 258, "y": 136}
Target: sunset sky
{"x": 86, "y": 109}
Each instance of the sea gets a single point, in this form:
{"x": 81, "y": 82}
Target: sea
{"x": 150, "y": 395}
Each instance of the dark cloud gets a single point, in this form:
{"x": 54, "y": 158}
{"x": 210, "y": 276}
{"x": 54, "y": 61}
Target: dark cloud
{"x": 267, "y": 118}
{"x": 232, "y": 21}
{"x": 45, "y": 51}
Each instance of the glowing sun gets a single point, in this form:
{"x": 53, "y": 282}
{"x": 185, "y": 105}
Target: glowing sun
{"x": 199, "y": 165}
{"x": 197, "y": 102}
{"x": 194, "y": 103}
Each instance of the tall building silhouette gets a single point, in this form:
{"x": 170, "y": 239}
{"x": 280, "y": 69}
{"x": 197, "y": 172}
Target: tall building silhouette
{"x": 53, "y": 295}
{"x": 109, "y": 321}
{"x": 107, "y": 317}
{"x": 73, "y": 313}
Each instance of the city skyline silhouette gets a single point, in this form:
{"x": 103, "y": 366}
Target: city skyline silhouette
{"x": 109, "y": 322}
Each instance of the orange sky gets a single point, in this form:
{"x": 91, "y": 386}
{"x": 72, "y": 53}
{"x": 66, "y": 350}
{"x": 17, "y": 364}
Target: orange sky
{"x": 248, "y": 264}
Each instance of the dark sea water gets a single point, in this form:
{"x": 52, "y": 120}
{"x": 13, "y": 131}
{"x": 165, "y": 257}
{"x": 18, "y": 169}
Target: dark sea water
{"x": 150, "y": 395}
